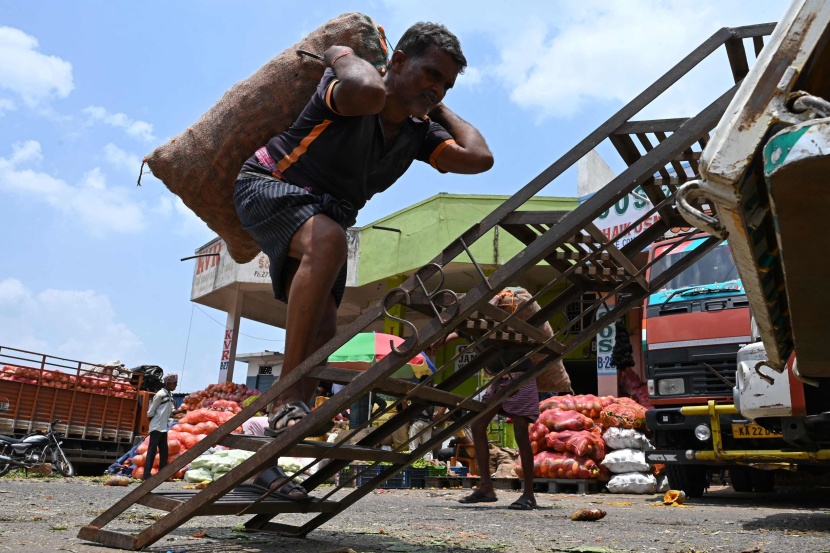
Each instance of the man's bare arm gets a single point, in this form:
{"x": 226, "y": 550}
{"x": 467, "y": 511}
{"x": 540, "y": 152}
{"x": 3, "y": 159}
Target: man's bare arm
{"x": 469, "y": 154}
{"x": 361, "y": 90}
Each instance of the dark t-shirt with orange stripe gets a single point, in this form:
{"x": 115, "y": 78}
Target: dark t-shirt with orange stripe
{"x": 344, "y": 155}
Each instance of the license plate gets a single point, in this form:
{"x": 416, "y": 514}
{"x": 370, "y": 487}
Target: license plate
{"x": 752, "y": 431}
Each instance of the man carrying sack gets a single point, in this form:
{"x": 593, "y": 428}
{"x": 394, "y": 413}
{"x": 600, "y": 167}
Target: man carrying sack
{"x": 299, "y": 192}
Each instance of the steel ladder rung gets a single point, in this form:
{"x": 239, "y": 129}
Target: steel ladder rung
{"x": 318, "y": 450}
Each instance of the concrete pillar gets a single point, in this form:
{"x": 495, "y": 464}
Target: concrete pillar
{"x": 230, "y": 339}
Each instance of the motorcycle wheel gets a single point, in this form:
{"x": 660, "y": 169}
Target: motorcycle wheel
{"x": 5, "y": 468}
{"x": 61, "y": 463}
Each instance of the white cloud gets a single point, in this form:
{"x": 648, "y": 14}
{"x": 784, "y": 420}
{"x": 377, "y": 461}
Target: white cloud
{"x": 6, "y": 105}
{"x": 76, "y": 324}
{"x": 164, "y": 206}
{"x": 94, "y": 204}
{"x": 471, "y": 78}
{"x": 27, "y": 73}
{"x": 137, "y": 129}
{"x": 186, "y": 223}
{"x": 561, "y": 59}
{"x": 189, "y": 223}
{"x": 121, "y": 159}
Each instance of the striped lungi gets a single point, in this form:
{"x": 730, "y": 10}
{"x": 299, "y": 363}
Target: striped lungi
{"x": 523, "y": 403}
{"x": 271, "y": 211}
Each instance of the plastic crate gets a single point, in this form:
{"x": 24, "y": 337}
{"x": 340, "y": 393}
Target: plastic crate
{"x": 346, "y": 477}
{"x": 437, "y": 471}
{"x": 399, "y": 481}
{"x": 417, "y": 477}
{"x": 459, "y": 471}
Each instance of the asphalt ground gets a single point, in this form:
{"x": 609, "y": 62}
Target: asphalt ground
{"x": 45, "y": 514}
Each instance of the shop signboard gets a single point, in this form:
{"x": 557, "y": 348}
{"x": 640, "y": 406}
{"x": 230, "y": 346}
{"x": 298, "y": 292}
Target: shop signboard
{"x": 462, "y": 358}
{"x": 605, "y": 345}
{"x": 628, "y": 210}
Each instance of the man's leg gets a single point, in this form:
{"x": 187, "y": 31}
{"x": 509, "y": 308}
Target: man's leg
{"x": 425, "y": 437}
{"x": 520, "y": 427}
{"x": 482, "y": 457}
{"x": 317, "y": 253}
{"x": 415, "y": 428}
{"x": 150, "y": 458}
{"x": 163, "y": 450}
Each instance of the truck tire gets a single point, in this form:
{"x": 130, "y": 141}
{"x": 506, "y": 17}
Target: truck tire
{"x": 689, "y": 478}
{"x": 763, "y": 481}
{"x": 741, "y": 479}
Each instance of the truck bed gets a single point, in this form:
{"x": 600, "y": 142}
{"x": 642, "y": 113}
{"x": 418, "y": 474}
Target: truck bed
{"x": 100, "y": 410}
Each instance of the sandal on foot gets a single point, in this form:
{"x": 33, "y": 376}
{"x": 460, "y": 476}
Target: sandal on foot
{"x": 270, "y": 476}
{"x": 278, "y": 422}
{"x": 523, "y": 504}
{"x": 478, "y": 497}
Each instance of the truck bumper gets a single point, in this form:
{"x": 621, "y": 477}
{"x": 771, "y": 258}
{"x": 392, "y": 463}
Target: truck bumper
{"x": 732, "y": 456}
{"x": 722, "y": 448}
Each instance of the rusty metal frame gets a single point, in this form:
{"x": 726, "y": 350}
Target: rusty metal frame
{"x": 578, "y": 258}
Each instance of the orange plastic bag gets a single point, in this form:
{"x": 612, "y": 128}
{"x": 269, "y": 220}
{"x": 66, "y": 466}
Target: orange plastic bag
{"x": 625, "y": 413}
{"x": 581, "y": 443}
{"x": 558, "y": 420}
{"x": 548, "y": 464}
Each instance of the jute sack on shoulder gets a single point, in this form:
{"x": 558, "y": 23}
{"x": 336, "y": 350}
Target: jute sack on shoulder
{"x": 202, "y": 163}
{"x": 553, "y": 377}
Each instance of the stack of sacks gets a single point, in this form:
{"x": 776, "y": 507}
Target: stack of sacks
{"x": 566, "y": 440}
{"x": 214, "y": 464}
{"x": 589, "y": 405}
{"x": 191, "y": 429}
{"x": 208, "y": 467}
{"x": 626, "y": 459}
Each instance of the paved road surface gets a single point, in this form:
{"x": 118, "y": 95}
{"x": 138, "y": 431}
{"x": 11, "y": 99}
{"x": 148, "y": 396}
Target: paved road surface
{"x": 45, "y": 514}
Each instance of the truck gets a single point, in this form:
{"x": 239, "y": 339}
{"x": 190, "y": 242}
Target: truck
{"x": 101, "y": 409}
{"x": 692, "y": 331}
{"x": 762, "y": 187}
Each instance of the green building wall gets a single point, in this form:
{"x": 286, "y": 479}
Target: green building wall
{"x": 393, "y": 247}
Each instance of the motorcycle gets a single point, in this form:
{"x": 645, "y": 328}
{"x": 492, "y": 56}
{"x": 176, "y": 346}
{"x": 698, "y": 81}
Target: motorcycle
{"x": 34, "y": 449}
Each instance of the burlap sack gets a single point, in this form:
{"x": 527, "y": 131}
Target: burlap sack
{"x": 502, "y": 461}
{"x": 201, "y": 164}
{"x": 554, "y": 378}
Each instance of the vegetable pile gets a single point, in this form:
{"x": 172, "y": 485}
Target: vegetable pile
{"x": 567, "y": 438}
{"x": 625, "y": 413}
{"x": 222, "y": 392}
{"x": 175, "y": 447}
{"x": 109, "y": 385}
{"x": 589, "y": 405}
{"x": 190, "y": 430}
{"x": 209, "y": 467}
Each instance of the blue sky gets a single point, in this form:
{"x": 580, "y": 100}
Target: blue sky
{"x": 89, "y": 263}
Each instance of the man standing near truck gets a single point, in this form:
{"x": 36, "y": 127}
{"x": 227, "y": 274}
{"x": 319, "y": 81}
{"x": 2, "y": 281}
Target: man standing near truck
{"x": 161, "y": 407}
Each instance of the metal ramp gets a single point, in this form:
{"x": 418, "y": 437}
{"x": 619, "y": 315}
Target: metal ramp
{"x": 576, "y": 259}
